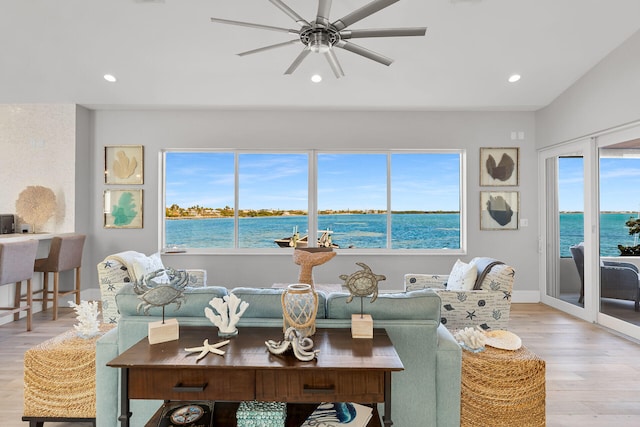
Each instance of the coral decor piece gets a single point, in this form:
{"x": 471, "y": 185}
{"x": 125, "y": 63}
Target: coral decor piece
{"x": 87, "y": 314}
{"x": 35, "y": 205}
{"x": 124, "y": 166}
{"x": 307, "y": 258}
{"x": 226, "y": 316}
{"x": 471, "y": 339}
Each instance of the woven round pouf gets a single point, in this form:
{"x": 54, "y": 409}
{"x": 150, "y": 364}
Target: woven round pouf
{"x": 502, "y": 388}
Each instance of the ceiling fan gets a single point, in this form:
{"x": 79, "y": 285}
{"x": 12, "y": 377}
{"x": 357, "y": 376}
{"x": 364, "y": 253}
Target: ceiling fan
{"x": 322, "y": 36}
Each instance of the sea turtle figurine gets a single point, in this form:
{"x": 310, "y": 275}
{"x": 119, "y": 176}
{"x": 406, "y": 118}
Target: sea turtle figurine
{"x": 362, "y": 283}
{"x": 159, "y": 295}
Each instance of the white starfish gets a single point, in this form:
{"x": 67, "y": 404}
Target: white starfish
{"x": 208, "y": 348}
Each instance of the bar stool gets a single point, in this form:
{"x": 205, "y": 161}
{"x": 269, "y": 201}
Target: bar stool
{"x": 16, "y": 265}
{"x": 65, "y": 254}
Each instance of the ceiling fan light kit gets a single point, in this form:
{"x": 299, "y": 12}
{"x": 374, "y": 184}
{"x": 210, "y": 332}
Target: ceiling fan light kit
{"x": 322, "y": 36}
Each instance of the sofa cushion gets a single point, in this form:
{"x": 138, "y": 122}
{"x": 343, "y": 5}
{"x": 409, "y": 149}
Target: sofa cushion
{"x": 112, "y": 275}
{"x": 423, "y": 304}
{"x": 267, "y": 302}
{"x": 463, "y": 276}
{"x": 143, "y": 265}
{"x": 196, "y": 299}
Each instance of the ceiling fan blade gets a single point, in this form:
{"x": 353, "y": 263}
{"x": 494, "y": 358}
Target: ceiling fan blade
{"x": 324, "y": 7}
{"x": 332, "y": 59}
{"x": 364, "y": 52}
{"x": 252, "y": 25}
{"x": 273, "y": 46}
{"x": 383, "y": 32}
{"x": 290, "y": 12}
{"x": 363, "y": 12}
{"x": 296, "y": 62}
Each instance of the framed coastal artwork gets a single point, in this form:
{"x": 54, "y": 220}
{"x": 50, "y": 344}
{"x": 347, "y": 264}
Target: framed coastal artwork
{"x": 499, "y": 166}
{"x": 124, "y": 164}
{"x": 123, "y": 208}
{"x": 499, "y": 210}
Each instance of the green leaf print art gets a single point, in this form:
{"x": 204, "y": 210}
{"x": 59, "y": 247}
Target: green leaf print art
{"x": 124, "y": 212}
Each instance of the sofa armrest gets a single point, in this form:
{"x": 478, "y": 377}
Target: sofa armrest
{"x": 488, "y": 309}
{"x": 107, "y": 388}
{"x": 415, "y": 281}
{"x": 197, "y": 278}
{"x": 448, "y": 378}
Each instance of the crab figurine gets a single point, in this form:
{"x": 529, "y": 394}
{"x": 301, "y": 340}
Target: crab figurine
{"x": 362, "y": 283}
{"x": 153, "y": 294}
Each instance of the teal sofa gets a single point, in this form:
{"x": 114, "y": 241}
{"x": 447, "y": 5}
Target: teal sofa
{"x": 426, "y": 393}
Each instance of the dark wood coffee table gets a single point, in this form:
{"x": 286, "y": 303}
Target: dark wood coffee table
{"x": 346, "y": 370}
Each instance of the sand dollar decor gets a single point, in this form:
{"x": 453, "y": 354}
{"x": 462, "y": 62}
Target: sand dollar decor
{"x": 35, "y": 205}
{"x": 504, "y": 340}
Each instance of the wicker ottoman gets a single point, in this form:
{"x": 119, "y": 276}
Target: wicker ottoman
{"x": 502, "y": 388}
{"x": 59, "y": 379}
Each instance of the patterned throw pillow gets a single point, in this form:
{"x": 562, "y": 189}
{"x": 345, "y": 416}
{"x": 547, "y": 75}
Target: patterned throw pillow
{"x": 144, "y": 265}
{"x": 463, "y": 276}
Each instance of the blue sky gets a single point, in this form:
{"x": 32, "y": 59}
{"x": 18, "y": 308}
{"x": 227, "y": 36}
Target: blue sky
{"x": 619, "y": 184}
{"x": 346, "y": 181}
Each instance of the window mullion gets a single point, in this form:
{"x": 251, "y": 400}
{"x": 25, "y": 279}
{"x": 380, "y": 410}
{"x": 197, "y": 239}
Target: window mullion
{"x": 389, "y": 201}
{"x": 312, "y": 205}
{"x": 236, "y": 200}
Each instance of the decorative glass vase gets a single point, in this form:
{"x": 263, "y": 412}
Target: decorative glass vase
{"x": 299, "y": 309}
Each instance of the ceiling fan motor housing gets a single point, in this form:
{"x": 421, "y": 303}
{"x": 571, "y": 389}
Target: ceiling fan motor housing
{"x": 319, "y": 39}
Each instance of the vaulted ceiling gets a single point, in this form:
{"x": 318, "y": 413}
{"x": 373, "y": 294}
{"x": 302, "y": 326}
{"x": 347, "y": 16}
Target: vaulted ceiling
{"x": 167, "y": 53}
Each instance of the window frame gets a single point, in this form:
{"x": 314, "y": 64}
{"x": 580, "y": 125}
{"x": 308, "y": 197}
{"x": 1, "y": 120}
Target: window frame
{"x": 313, "y": 200}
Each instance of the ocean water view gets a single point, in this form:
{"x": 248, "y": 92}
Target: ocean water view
{"x": 409, "y": 231}
{"x": 613, "y": 232}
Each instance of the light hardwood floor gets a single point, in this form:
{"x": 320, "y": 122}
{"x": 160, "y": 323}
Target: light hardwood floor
{"x": 593, "y": 375}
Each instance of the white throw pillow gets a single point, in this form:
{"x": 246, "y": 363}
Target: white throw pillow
{"x": 463, "y": 276}
{"x": 144, "y": 265}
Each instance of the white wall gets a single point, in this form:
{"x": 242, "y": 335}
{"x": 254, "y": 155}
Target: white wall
{"x": 340, "y": 130}
{"x": 37, "y": 143}
{"x": 606, "y": 97}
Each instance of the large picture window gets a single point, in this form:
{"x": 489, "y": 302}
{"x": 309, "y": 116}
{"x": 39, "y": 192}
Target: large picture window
{"x": 391, "y": 200}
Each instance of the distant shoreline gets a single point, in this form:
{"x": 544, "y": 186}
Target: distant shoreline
{"x": 193, "y": 217}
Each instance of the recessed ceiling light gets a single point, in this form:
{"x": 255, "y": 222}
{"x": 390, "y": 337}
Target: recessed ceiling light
{"x": 514, "y": 78}
{"x": 316, "y": 78}
{"x": 110, "y": 78}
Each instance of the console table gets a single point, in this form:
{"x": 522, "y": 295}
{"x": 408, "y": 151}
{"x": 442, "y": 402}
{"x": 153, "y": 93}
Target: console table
{"x": 346, "y": 370}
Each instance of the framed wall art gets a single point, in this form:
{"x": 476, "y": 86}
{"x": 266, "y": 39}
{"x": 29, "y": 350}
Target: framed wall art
{"x": 123, "y": 208}
{"x": 499, "y": 210}
{"x": 499, "y": 166}
{"x": 124, "y": 164}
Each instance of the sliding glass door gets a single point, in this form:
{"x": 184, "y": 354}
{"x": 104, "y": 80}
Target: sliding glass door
{"x": 563, "y": 188}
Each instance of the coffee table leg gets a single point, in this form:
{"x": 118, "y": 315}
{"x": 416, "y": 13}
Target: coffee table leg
{"x": 125, "y": 412}
{"x": 386, "y": 418}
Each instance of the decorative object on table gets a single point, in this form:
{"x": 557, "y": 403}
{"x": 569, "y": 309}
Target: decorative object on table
{"x": 307, "y": 258}
{"x": 207, "y": 348}
{"x": 299, "y": 308}
{"x": 36, "y": 205}
{"x": 87, "y": 313}
{"x": 123, "y": 208}
{"x": 187, "y": 414}
{"x": 504, "y": 340}
{"x": 302, "y": 346}
{"x": 261, "y": 414}
{"x": 226, "y": 316}
{"x": 346, "y": 414}
{"x": 499, "y": 210}
{"x": 155, "y": 291}
{"x": 499, "y": 166}
{"x": 123, "y": 164}
{"x": 362, "y": 283}
{"x": 471, "y": 339}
